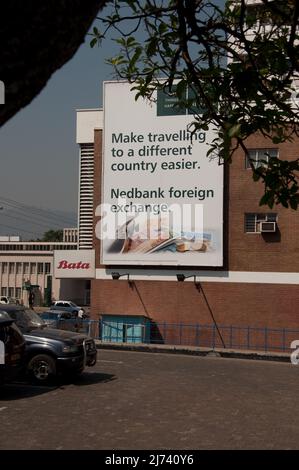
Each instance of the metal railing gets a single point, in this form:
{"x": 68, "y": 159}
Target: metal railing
{"x": 181, "y": 334}
{"x": 233, "y": 337}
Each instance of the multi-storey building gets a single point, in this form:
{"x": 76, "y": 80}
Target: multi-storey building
{"x": 87, "y": 120}
{"x": 257, "y": 286}
{"x": 24, "y": 264}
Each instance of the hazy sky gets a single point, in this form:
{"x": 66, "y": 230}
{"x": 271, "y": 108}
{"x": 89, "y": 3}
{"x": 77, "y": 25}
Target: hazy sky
{"x": 39, "y": 156}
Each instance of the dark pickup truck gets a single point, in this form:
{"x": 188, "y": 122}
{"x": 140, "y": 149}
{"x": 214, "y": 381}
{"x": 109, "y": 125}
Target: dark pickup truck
{"x": 12, "y": 349}
{"x": 51, "y": 351}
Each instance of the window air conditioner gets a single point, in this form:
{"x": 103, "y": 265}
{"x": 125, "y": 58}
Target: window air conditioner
{"x": 269, "y": 227}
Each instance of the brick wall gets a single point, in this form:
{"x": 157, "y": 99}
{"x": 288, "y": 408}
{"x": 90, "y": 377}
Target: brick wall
{"x": 260, "y": 252}
{"x": 231, "y": 303}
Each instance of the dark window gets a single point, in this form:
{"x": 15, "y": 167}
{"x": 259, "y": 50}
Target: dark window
{"x": 260, "y": 157}
{"x": 47, "y": 268}
{"x": 11, "y": 268}
{"x": 40, "y": 268}
{"x": 253, "y": 220}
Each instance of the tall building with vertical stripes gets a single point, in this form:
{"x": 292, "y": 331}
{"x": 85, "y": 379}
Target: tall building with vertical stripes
{"x": 87, "y": 121}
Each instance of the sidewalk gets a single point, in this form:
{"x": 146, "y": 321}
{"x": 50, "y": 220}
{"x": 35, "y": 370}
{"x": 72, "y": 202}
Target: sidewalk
{"x": 41, "y": 309}
{"x": 196, "y": 351}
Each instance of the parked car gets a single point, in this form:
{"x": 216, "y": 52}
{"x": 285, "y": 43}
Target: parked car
{"x": 8, "y": 300}
{"x": 14, "y": 349}
{"x": 60, "y": 319}
{"x": 49, "y": 351}
{"x": 68, "y": 306}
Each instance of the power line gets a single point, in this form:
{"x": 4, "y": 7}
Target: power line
{"x": 34, "y": 209}
{"x": 32, "y": 221}
{"x": 33, "y": 218}
{"x": 21, "y": 230}
{"x": 39, "y": 212}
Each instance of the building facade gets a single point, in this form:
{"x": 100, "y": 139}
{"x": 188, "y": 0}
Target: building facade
{"x": 257, "y": 286}
{"x": 25, "y": 265}
{"x": 70, "y": 235}
{"x": 87, "y": 121}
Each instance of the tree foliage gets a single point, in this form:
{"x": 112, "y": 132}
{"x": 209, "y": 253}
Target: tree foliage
{"x": 237, "y": 63}
{"x": 53, "y": 236}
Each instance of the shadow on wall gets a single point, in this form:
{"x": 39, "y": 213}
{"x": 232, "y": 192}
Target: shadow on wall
{"x": 274, "y": 237}
{"x": 155, "y": 334}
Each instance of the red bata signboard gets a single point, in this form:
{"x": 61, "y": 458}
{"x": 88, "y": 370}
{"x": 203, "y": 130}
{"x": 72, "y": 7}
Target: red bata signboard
{"x": 74, "y": 264}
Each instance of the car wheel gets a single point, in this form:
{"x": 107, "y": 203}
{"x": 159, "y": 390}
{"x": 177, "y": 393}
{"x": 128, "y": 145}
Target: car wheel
{"x": 41, "y": 368}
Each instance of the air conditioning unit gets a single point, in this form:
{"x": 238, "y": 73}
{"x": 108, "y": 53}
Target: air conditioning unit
{"x": 268, "y": 227}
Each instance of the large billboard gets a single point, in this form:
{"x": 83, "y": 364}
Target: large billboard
{"x": 162, "y": 197}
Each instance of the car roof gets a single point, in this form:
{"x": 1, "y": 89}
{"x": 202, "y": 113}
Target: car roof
{"x": 57, "y": 312}
{"x": 11, "y": 307}
{"x": 5, "y": 319}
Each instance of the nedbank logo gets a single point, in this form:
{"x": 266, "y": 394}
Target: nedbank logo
{"x": 168, "y": 103}
{"x": 2, "y": 92}
{"x": 2, "y": 353}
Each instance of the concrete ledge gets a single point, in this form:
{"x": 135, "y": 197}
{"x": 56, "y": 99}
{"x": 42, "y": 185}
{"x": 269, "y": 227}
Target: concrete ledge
{"x": 196, "y": 351}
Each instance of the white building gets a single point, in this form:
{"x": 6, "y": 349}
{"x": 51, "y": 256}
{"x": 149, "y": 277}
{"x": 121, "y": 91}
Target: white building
{"x": 87, "y": 121}
{"x": 70, "y": 235}
{"x": 32, "y": 264}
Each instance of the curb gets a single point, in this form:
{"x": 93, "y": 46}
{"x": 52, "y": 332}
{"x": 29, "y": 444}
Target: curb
{"x": 196, "y": 351}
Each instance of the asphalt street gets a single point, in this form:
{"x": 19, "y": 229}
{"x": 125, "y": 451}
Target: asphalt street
{"x": 133, "y": 400}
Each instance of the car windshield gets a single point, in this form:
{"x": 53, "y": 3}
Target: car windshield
{"x": 72, "y": 304}
{"x": 32, "y": 316}
{"x": 27, "y": 320}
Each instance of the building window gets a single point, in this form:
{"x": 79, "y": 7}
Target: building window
{"x": 260, "y": 157}
{"x": 253, "y": 221}
{"x": 40, "y": 268}
{"x": 4, "y": 268}
{"x": 11, "y": 268}
{"x": 26, "y": 268}
{"x": 11, "y": 292}
{"x": 18, "y": 292}
{"x": 33, "y": 268}
{"x": 47, "y": 268}
{"x": 4, "y": 291}
{"x": 19, "y": 268}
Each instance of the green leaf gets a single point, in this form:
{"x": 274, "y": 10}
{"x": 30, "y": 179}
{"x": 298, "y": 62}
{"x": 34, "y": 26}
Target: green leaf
{"x": 294, "y": 204}
{"x": 276, "y": 140}
{"x": 137, "y": 54}
{"x": 181, "y": 89}
{"x": 234, "y": 130}
{"x": 93, "y": 42}
{"x": 255, "y": 176}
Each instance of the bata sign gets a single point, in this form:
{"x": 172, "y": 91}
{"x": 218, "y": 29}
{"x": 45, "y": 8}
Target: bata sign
{"x": 74, "y": 264}
{"x": 64, "y": 264}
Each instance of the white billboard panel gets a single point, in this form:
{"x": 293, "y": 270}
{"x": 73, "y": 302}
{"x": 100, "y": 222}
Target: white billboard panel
{"x": 74, "y": 264}
{"x": 162, "y": 198}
